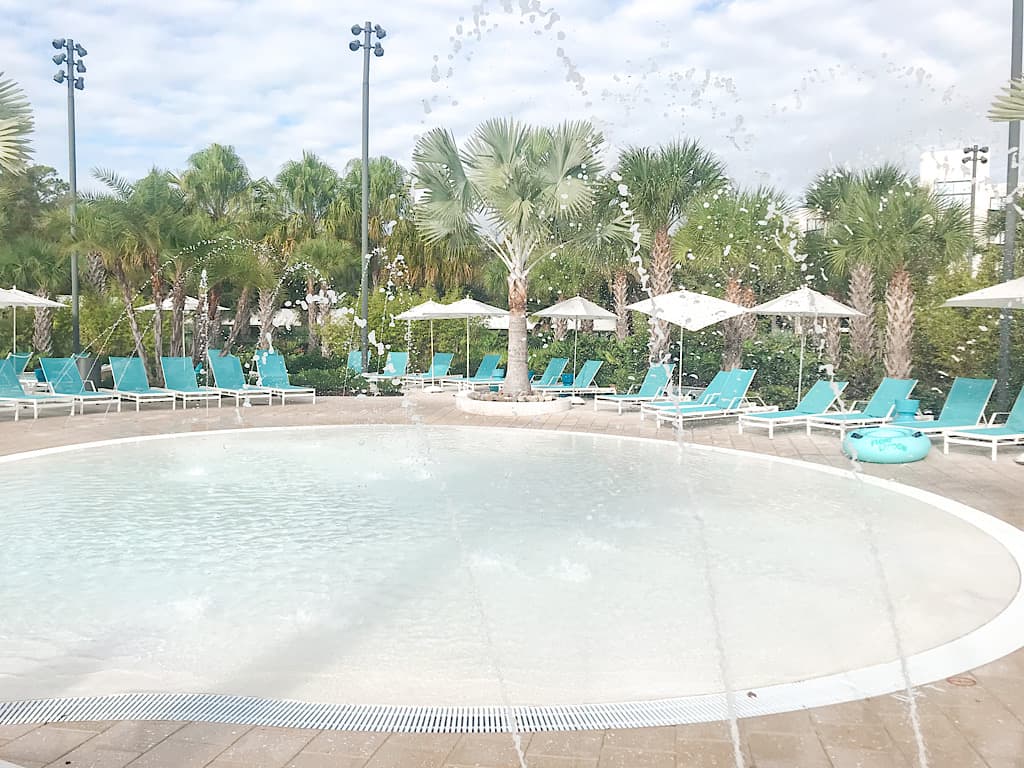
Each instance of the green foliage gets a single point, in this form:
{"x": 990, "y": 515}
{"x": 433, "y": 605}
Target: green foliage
{"x": 776, "y": 358}
{"x": 327, "y": 381}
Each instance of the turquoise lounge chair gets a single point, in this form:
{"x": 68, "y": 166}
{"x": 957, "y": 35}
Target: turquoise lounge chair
{"x": 964, "y": 408}
{"x": 878, "y": 410}
{"x": 552, "y": 373}
{"x": 12, "y": 394}
{"x": 355, "y": 361}
{"x": 731, "y": 402}
{"x": 652, "y": 387}
{"x": 582, "y": 384}
{"x": 395, "y": 366}
{"x": 486, "y": 375}
{"x": 132, "y": 384}
{"x": 63, "y": 377}
{"x": 19, "y": 360}
{"x": 818, "y": 399}
{"x": 1010, "y": 432}
{"x": 229, "y": 379}
{"x": 709, "y": 396}
{"x": 180, "y": 378}
{"x": 274, "y": 376}
{"x": 439, "y": 366}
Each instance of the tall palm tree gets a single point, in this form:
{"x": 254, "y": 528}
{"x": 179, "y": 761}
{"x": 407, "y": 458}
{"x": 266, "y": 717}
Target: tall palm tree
{"x": 308, "y": 191}
{"x": 746, "y": 240}
{"x": 894, "y": 235}
{"x": 662, "y": 183}
{"x": 15, "y": 126}
{"x": 509, "y": 187}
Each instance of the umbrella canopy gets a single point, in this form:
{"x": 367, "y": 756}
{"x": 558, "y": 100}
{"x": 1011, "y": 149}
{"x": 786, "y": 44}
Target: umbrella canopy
{"x": 805, "y": 302}
{"x": 577, "y": 308}
{"x": 1008, "y": 295}
{"x": 14, "y": 298}
{"x": 463, "y": 308}
{"x": 424, "y": 311}
{"x": 689, "y": 310}
{"x": 192, "y": 304}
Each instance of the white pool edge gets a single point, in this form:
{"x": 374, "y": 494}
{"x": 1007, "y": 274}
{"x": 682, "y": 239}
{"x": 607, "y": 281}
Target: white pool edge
{"x": 999, "y": 637}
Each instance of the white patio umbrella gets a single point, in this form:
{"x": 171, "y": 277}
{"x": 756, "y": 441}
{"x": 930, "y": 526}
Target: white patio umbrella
{"x": 422, "y": 312}
{"x": 463, "y": 308}
{"x": 805, "y": 302}
{"x": 577, "y": 308}
{"x": 690, "y": 311}
{"x": 14, "y": 298}
{"x": 1008, "y": 295}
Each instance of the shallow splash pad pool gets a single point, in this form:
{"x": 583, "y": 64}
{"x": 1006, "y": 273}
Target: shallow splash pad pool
{"x": 438, "y": 566}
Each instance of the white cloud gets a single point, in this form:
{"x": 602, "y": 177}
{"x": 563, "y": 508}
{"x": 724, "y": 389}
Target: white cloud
{"x": 780, "y": 89}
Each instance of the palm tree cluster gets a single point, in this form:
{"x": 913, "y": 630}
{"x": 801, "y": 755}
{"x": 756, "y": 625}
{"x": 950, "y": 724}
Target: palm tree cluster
{"x": 515, "y": 213}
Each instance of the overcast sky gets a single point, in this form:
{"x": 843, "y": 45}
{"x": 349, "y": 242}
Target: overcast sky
{"x": 779, "y": 88}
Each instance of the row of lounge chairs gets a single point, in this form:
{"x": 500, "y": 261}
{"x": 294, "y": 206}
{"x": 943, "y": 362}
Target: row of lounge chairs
{"x": 67, "y": 389}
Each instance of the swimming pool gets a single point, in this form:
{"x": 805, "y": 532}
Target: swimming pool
{"x": 442, "y": 566}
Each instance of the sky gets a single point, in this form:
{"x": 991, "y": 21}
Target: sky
{"x": 779, "y": 89}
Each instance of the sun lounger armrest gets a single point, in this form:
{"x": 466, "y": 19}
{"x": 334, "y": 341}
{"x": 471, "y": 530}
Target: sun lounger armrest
{"x": 90, "y": 385}
{"x": 995, "y": 417}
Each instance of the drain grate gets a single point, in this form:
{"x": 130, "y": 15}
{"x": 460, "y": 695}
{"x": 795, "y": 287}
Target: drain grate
{"x": 244, "y": 710}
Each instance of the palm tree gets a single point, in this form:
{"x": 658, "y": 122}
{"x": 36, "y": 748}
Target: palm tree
{"x": 509, "y": 187}
{"x": 895, "y": 234}
{"x": 36, "y": 264}
{"x": 1010, "y": 106}
{"x": 155, "y": 229}
{"x": 215, "y": 183}
{"x": 662, "y": 183}
{"x": 308, "y": 190}
{"x": 15, "y": 127}
{"x": 745, "y": 239}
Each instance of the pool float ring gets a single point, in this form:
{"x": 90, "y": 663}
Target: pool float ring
{"x": 886, "y": 445}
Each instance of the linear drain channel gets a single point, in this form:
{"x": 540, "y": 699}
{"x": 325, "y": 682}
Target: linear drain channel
{"x": 243, "y": 710}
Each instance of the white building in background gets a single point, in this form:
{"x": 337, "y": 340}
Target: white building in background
{"x": 944, "y": 172}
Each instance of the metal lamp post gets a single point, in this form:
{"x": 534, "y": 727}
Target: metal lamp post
{"x": 1012, "y": 180}
{"x": 974, "y": 155}
{"x": 72, "y": 76}
{"x": 366, "y": 31}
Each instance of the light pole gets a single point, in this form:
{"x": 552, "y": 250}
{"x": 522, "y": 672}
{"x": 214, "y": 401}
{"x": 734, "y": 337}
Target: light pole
{"x": 974, "y": 155}
{"x": 72, "y": 76}
{"x": 366, "y": 31}
{"x": 1012, "y": 180}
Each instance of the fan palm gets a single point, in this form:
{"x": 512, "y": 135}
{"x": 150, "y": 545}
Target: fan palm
{"x": 662, "y": 183}
{"x": 1009, "y": 107}
{"x": 15, "y": 126}
{"x": 509, "y": 188}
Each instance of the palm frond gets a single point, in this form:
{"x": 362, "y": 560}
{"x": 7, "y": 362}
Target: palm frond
{"x": 16, "y": 125}
{"x": 1009, "y": 106}
{"x": 113, "y": 181}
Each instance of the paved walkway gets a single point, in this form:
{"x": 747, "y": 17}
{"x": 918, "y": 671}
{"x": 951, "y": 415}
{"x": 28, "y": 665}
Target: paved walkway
{"x": 973, "y": 721}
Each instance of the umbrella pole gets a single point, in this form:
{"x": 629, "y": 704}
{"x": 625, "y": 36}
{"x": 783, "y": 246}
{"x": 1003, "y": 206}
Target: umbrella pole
{"x": 575, "y": 346}
{"x": 800, "y": 379}
{"x": 14, "y": 332}
{"x": 432, "y": 381}
{"x": 467, "y": 346}
{"x": 682, "y": 356}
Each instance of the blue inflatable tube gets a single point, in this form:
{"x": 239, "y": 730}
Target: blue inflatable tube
{"x": 886, "y": 445}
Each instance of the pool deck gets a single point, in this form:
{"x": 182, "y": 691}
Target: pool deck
{"x": 974, "y": 721}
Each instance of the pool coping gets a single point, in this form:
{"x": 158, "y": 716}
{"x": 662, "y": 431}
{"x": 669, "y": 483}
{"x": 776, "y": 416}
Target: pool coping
{"x": 992, "y": 640}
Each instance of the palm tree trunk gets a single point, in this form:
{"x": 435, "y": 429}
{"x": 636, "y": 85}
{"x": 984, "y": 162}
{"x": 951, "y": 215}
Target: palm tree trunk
{"x": 241, "y": 318}
{"x": 899, "y": 326}
{"x": 660, "y": 282}
{"x": 863, "y": 345}
{"x": 156, "y": 285}
{"x": 737, "y": 330}
{"x": 517, "y": 373}
{"x": 313, "y": 343}
{"x": 133, "y": 321}
{"x": 833, "y": 342}
{"x": 266, "y": 305}
{"x": 96, "y": 272}
{"x": 620, "y": 297}
{"x": 559, "y": 325}
{"x": 42, "y": 328}
{"x": 178, "y": 313}
{"x": 213, "y": 328}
